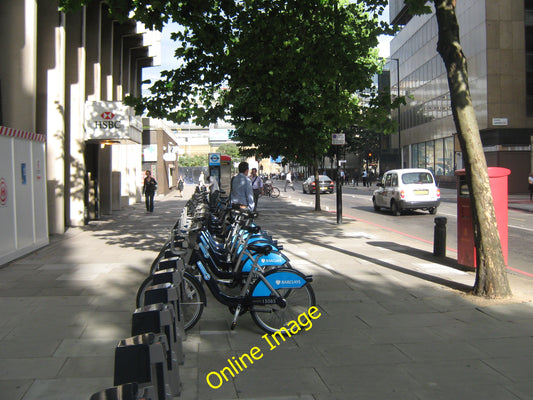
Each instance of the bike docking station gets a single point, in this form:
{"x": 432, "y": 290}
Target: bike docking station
{"x": 220, "y": 247}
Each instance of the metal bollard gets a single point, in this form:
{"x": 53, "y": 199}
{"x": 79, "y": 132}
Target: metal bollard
{"x": 439, "y": 237}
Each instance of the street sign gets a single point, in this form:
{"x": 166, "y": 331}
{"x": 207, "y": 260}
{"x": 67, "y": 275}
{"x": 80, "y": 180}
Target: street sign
{"x": 500, "y": 121}
{"x": 214, "y": 158}
{"x": 338, "y": 138}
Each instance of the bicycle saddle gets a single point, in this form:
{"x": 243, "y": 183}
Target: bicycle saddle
{"x": 265, "y": 250}
{"x": 252, "y": 229}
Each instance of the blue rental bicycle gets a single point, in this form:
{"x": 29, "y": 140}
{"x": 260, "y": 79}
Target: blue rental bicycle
{"x": 273, "y": 298}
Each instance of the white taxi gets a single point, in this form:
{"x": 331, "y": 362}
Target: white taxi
{"x": 407, "y": 189}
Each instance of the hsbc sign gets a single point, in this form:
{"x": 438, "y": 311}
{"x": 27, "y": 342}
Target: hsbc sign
{"x": 107, "y": 121}
{"x": 110, "y": 120}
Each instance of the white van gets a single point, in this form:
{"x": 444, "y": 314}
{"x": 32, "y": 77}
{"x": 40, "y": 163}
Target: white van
{"x": 407, "y": 189}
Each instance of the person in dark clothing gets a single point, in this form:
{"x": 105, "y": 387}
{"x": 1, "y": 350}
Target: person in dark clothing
{"x": 149, "y": 188}
{"x": 180, "y": 185}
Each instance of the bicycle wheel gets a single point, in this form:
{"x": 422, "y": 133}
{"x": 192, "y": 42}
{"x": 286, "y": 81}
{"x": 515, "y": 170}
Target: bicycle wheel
{"x": 192, "y": 300}
{"x": 271, "y": 318}
{"x": 275, "y": 192}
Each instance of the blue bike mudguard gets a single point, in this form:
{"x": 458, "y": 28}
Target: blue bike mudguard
{"x": 270, "y": 260}
{"x": 280, "y": 279}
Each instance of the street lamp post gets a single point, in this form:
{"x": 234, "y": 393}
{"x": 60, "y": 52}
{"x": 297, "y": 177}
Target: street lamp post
{"x": 399, "y": 115}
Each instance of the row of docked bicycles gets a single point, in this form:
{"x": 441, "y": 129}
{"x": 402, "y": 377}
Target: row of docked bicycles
{"x": 242, "y": 266}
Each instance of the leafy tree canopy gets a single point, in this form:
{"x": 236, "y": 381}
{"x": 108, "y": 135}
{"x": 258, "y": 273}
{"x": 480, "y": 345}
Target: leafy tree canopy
{"x": 286, "y": 73}
{"x": 193, "y": 161}
{"x": 230, "y": 149}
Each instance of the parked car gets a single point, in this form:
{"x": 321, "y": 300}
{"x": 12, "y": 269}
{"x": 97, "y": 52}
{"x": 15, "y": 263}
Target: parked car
{"x": 407, "y": 189}
{"x": 326, "y": 184}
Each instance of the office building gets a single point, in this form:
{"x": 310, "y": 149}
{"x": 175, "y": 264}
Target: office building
{"x": 497, "y": 39}
{"x": 64, "y": 76}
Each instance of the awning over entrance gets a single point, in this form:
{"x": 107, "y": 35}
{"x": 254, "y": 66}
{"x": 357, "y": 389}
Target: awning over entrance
{"x": 111, "y": 122}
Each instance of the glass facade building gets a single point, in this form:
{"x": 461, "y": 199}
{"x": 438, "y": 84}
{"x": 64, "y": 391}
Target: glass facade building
{"x": 495, "y": 36}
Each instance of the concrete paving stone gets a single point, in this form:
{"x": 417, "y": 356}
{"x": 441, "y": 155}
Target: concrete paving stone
{"x": 356, "y": 354}
{"x": 368, "y": 381}
{"x": 57, "y": 267}
{"x": 351, "y": 396}
{"x": 85, "y": 347}
{"x": 516, "y": 368}
{"x": 30, "y": 368}
{"x": 214, "y": 342}
{"x": 189, "y": 382}
{"x": 467, "y": 331}
{"x": 276, "y": 382}
{"x": 402, "y": 334}
{"x": 439, "y": 350}
{"x": 59, "y": 301}
{"x": 338, "y": 322}
{"x": 20, "y": 290}
{"x": 22, "y": 348}
{"x": 332, "y": 295}
{"x": 473, "y": 316}
{"x": 523, "y": 390}
{"x": 450, "y": 373}
{"x": 14, "y": 389}
{"x": 505, "y": 346}
{"x": 216, "y": 325}
{"x": 107, "y": 331}
{"x": 289, "y": 356}
{"x": 46, "y": 332}
{"x": 115, "y": 303}
{"x": 409, "y": 305}
{"x": 468, "y": 391}
{"x": 12, "y": 274}
{"x": 215, "y": 361}
{"x": 446, "y": 301}
{"x": 66, "y": 388}
{"x": 88, "y": 367}
{"x": 405, "y": 320}
{"x": 99, "y": 316}
{"x": 243, "y": 341}
{"x": 510, "y": 312}
{"x": 335, "y": 335}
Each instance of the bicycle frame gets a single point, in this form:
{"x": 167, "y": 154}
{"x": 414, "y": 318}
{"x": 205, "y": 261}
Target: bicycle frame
{"x": 259, "y": 289}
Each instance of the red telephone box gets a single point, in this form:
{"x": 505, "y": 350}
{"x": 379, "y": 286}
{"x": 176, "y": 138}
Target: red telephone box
{"x": 466, "y": 250}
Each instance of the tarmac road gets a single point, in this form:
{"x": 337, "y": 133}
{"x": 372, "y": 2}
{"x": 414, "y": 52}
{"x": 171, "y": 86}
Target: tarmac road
{"x": 420, "y": 224}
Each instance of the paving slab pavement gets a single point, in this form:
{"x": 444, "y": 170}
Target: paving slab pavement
{"x": 396, "y": 323}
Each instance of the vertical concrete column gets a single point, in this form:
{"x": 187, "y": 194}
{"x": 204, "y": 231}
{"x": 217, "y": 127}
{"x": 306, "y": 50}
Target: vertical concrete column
{"x": 104, "y": 179}
{"x": 92, "y": 47}
{"x": 106, "y": 46}
{"x": 55, "y": 129}
{"x": 18, "y": 30}
{"x": 76, "y": 77}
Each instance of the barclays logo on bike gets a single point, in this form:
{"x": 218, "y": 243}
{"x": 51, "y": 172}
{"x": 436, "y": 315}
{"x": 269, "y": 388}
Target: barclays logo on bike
{"x": 288, "y": 282}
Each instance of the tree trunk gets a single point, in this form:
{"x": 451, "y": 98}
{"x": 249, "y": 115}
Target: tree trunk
{"x": 491, "y": 274}
{"x": 317, "y": 184}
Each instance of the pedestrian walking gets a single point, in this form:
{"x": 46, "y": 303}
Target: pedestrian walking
{"x": 288, "y": 181}
{"x": 180, "y": 186}
{"x": 364, "y": 176}
{"x": 257, "y": 186}
{"x": 530, "y": 182}
{"x": 149, "y": 188}
{"x": 201, "y": 179}
{"x": 214, "y": 191}
{"x": 241, "y": 188}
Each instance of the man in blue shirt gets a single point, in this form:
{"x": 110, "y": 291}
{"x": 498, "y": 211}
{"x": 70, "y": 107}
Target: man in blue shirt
{"x": 241, "y": 188}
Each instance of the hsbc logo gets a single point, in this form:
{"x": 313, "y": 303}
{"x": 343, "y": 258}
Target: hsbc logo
{"x": 107, "y": 121}
{"x": 107, "y": 115}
